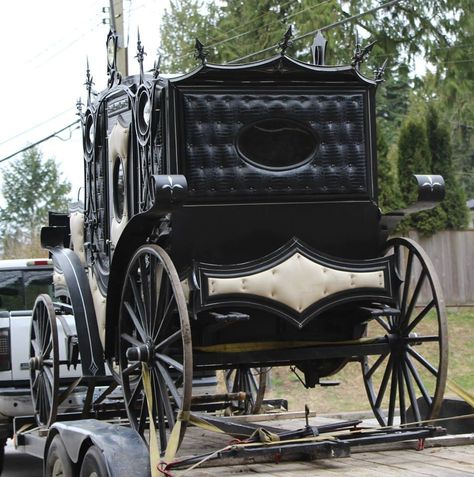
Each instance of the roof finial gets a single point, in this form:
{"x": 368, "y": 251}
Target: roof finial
{"x": 360, "y": 54}
{"x": 318, "y": 48}
{"x": 379, "y": 72}
{"x": 140, "y": 55}
{"x": 201, "y": 53}
{"x": 156, "y": 65}
{"x": 89, "y": 82}
{"x": 286, "y": 42}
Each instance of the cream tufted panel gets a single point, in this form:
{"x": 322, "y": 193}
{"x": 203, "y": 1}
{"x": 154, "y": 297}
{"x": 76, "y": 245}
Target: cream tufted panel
{"x": 76, "y": 223}
{"x": 118, "y": 147}
{"x": 99, "y": 305}
{"x": 297, "y": 282}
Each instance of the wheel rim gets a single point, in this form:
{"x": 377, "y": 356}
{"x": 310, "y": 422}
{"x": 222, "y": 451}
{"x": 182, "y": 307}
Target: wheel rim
{"x": 253, "y": 382}
{"x": 154, "y": 329}
{"x": 412, "y": 375}
{"x": 44, "y": 361}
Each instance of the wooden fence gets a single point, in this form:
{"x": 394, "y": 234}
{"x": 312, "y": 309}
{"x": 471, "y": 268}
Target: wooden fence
{"x": 452, "y": 254}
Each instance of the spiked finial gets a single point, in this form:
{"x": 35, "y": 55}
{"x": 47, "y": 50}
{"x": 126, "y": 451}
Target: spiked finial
{"x": 200, "y": 53}
{"x": 156, "y": 66}
{"x": 140, "y": 55}
{"x": 379, "y": 72}
{"x": 360, "y": 54}
{"x": 89, "y": 82}
{"x": 286, "y": 42}
{"x": 318, "y": 48}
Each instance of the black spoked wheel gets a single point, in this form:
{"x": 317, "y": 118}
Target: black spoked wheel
{"x": 154, "y": 345}
{"x": 409, "y": 380}
{"x": 251, "y": 381}
{"x": 44, "y": 361}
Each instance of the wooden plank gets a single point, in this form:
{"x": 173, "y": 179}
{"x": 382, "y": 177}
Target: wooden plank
{"x": 404, "y": 461}
{"x": 435, "y": 457}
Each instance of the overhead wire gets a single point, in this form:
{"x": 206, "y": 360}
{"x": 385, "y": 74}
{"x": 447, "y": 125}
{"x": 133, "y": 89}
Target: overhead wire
{"x": 46, "y": 121}
{"x": 55, "y": 134}
{"x": 325, "y": 28}
{"x": 276, "y": 23}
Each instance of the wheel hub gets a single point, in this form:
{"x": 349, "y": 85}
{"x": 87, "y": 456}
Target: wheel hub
{"x": 36, "y": 363}
{"x": 143, "y": 353}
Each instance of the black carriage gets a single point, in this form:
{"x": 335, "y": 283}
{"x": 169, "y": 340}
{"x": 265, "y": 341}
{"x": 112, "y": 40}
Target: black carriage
{"x": 231, "y": 222}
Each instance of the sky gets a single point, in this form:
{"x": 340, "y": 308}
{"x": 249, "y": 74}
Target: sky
{"x": 44, "y": 46}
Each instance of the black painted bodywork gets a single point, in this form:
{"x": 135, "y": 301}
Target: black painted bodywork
{"x": 232, "y": 163}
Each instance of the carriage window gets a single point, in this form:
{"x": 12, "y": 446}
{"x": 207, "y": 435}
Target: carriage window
{"x": 277, "y": 143}
{"x": 119, "y": 189}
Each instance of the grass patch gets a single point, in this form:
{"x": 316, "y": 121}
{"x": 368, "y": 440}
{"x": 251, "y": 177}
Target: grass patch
{"x": 350, "y": 394}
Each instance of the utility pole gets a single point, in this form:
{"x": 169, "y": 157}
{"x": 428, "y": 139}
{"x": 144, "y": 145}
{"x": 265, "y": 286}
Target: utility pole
{"x": 117, "y": 24}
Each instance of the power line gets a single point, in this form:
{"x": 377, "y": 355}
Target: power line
{"x": 46, "y": 121}
{"x": 42, "y": 140}
{"x": 327, "y": 27}
{"x": 269, "y": 24}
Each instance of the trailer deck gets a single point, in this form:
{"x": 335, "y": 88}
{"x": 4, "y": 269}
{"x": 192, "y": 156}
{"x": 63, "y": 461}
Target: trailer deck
{"x": 447, "y": 456}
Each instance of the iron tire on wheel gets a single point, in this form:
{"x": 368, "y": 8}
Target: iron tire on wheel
{"x": 412, "y": 375}
{"x": 44, "y": 361}
{"x": 154, "y": 332}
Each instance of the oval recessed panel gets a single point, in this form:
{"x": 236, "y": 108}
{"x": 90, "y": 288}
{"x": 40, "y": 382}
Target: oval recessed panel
{"x": 277, "y": 143}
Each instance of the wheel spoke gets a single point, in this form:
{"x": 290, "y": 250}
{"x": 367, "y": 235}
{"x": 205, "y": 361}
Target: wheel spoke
{"x": 423, "y": 361}
{"x": 406, "y": 285}
{"x": 135, "y": 320}
{"x": 375, "y": 366}
{"x": 411, "y": 391}
{"x": 414, "y": 298}
{"x": 159, "y": 411}
{"x": 383, "y": 324}
{"x": 420, "y": 316}
{"x": 165, "y": 397}
{"x": 401, "y": 393}
{"x": 133, "y": 367}
{"x": 137, "y": 300}
{"x": 131, "y": 339}
{"x": 136, "y": 393}
{"x": 167, "y": 341}
{"x": 419, "y": 382}
{"x": 165, "y": 318}
{"x": 169, "y": 383}
{"x": 383, "y": 384}
{"x": 172, "y": 362}
{"x": 144, "y": 269}
{"x": 393, "y": 396}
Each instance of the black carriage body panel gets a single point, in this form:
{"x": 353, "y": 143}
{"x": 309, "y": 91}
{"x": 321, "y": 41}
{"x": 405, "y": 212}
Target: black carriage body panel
{"x": 239, "y": 233}
{"x": 216, "y": 123}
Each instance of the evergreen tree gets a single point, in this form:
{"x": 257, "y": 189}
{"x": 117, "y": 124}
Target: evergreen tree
{"x": 31, "y": 188}
{"x": 182, "y": 23}
{"x": 389, "y": 191}
{"x": 454, "y": 203}
{"x": 414, "y": 157}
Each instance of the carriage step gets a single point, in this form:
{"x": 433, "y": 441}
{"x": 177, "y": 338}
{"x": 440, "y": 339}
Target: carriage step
{"x": 386, "y": 311}
{"x": 230, "y": 317}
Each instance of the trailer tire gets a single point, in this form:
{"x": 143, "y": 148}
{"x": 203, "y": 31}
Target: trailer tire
{"x": 93, "y": 464}
{"x": 58, "y": 462}
{"x": 3, "y": 443}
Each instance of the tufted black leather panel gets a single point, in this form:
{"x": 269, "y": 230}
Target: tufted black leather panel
{"x": 216, "y": 172}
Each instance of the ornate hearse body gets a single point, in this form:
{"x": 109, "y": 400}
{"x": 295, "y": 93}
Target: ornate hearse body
{"x": 230, "y": 221}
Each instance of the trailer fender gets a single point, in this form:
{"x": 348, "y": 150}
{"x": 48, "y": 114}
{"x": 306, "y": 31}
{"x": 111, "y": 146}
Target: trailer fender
{"x": 124, "y": 450}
